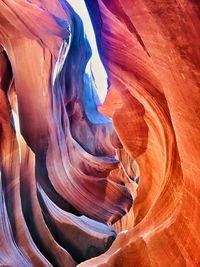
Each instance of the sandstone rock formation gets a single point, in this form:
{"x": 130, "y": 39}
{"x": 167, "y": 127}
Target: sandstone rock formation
{"x": 80, "y": 189}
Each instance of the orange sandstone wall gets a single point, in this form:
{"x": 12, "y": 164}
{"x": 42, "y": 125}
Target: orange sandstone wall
{"x": 151, "y": 51}
{"x": 153, "y": 61}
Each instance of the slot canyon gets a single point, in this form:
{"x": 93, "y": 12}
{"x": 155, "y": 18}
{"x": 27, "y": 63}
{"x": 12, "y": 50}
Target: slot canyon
{"x": 100, "y": 133}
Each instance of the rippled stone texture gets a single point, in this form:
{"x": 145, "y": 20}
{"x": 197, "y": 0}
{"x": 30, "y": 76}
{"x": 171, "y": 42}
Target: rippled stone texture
{"x": 66, "y": 174}
{"x": 57, "y": 198}
{"x": 153, "y": 63}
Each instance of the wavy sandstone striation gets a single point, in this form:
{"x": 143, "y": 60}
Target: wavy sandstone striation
{"x": 80, "y": 189}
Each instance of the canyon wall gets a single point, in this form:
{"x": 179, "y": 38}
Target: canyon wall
{"x": 92, "y": 182}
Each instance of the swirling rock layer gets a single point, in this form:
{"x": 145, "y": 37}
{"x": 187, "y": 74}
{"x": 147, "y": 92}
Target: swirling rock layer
{"x": 68, "y": 172}
{"x": 153, "y": 64}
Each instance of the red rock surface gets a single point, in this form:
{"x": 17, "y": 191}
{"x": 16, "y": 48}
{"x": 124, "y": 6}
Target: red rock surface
{"x": 61, "y": 166}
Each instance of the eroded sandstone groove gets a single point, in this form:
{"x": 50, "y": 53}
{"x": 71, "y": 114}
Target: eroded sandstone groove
{"x": 77, "y": 174}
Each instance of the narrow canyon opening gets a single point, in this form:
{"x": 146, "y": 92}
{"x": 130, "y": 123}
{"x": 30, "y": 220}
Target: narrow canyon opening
{"x": 49, "y": 211}
{"x": 95, "y": 94}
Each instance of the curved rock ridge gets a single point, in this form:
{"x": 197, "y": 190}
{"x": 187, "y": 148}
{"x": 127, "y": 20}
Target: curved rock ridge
{"x": 151, "y": 50}
{"x": 58, "y": 201}
{"x": 91, "y": 184}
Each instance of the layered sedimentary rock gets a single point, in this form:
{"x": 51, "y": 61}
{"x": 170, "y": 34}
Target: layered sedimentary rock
{"x": 71, "y": 166}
